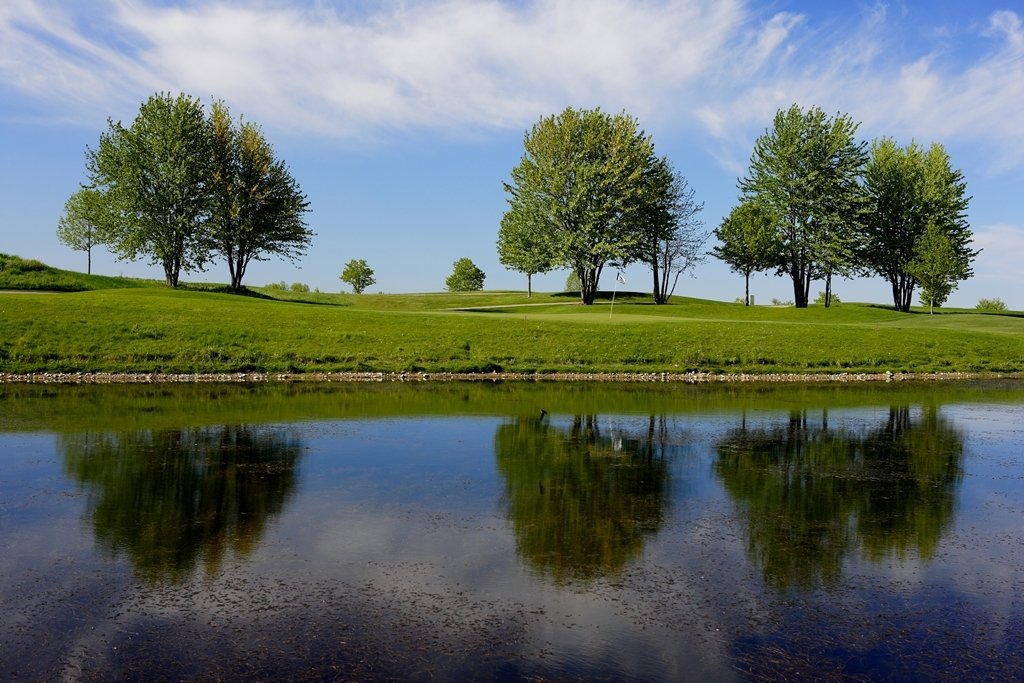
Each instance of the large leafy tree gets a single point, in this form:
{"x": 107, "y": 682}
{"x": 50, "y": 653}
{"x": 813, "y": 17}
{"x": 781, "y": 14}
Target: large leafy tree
{"x": 465, "y": 277}
{"x": 673, "y": 235}
{"x": 748, "y": 241}
{"x": 81, "y": 226}
{"x": 358, "y": 274}
{"x": 155, "y": 179}
{"x": 581, "y": 185}
{"x": 806, "y": 170}
{"x": 910, "y": 188}
{"x": 257, "y": 206}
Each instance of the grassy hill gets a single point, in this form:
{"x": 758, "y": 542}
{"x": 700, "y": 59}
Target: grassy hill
{"x": 124, "y": 325}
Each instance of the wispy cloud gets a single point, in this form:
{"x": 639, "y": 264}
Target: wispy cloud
{"x": 720, "y": 68}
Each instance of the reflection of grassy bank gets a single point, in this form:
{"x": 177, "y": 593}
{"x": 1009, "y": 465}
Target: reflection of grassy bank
{"x": 158, "y": 330}
{"x": 77, "y": 408}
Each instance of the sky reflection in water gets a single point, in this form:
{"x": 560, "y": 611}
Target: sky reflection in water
{"x": 745, "y": 536}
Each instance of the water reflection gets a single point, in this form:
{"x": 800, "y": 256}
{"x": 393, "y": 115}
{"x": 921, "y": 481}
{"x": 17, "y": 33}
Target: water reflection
{"x": 581, "y": 501}
{"x": 814, "y": 494}
{"x": 175, "y": 498}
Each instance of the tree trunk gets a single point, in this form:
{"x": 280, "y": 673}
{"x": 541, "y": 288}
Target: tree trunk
{"x": 589, "y": 277}
{"x": 828, "y": 290}
{"x": 529, "y": 285}
{"x": 746, "y": 289}
{"x": 658, "y": 294}
{"x": 88, "y": 261}
{"x": 801, "y": 285}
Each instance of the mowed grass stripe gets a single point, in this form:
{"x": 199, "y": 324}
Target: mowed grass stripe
{"x": 159, "y": 330}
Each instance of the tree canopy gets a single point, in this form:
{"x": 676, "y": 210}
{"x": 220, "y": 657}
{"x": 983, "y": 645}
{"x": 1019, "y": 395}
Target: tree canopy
{"x": 155, "y": 179}
{"x": 748, "y": 241}
{"x": 465, "y": 277}
{"x": 181, "y": 189}
{"x": 257, "y": 207}
{"x": 580, "y": 191}
{"x": 81, "y": 226}
{"x": 806, "y": 170}
{"x": 673, "y": 236}
{"x": 358, "y": 274}
{"x": 910, "y": 188}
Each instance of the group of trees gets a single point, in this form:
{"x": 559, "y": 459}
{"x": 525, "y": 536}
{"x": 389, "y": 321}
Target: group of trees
{"x": 816, "y": 204}
{"x": 590, "y": 191}
{"x": 465, "y": 277}
{"x": 184, "y": 187}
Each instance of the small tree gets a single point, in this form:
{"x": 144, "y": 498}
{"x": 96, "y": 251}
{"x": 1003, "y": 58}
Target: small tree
{"x": 465, "y": 277}
{"x": 674, "y": 236}
{"x": 81, "y": 225}
{"x": 358, "y": 274}
{"x": 749, "y": 241}
{"x": 523, "y": 246}
{"x": 936, "y": 266}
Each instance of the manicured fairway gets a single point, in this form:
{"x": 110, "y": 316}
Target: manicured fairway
{"x": 153, "y": 329}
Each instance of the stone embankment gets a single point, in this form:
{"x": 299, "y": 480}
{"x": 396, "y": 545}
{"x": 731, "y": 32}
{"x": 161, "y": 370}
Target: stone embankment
{"x": 687, "y": 377}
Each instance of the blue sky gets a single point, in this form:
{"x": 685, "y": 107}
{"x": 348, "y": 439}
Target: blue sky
{"x": 400, "y": 120}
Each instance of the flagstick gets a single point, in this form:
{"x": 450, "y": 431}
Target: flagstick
{"x": 615, "y": 287}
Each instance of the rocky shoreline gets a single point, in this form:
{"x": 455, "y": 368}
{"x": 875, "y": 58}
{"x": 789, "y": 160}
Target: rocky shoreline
{"x": 313, "y": 377}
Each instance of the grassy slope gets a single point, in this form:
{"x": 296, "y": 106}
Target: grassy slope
{"x": 147, "y": 329}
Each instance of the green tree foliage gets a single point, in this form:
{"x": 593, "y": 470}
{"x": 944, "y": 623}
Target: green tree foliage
{"x": 806, "y": 170}
{"x": 991, "y": 305}
{"x": 81, "y": 226}
{"x": 257, "y": 207}
{"x": 572, "y": 282}
{"x": 155, "y": 179}
{"x": 815, "y": 495}
{"x": 936, "y": 266}
{"x": 465, "y": 277}
{"x": 357, "y": 274}
{"x": 173, "y": 499}
{"x": 581, "y": 503}
{"x": 910, "y": 188}
{"x": 581, "y": 186}
{"x": 748, "y": 241}
{"x": 522, "y": 247}
{"x": 673, "y": 235}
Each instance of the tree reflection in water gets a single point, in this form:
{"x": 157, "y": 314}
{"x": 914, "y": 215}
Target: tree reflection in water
{"x": 814, "y": 494}
{"x": 580, "y": 501}
{"x": 170, "y": 499}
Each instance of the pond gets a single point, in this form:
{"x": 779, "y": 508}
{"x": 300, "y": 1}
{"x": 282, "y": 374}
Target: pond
{"x": 507, "y": 531}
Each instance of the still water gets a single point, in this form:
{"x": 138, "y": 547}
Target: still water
{"x": 503, "y": 532}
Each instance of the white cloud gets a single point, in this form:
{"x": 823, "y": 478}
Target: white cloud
{"x": 720, "y": 67}
{"x": 446, "y": 64}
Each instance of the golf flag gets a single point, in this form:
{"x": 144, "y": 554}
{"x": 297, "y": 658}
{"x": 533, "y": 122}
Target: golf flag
{"x": 621, "y": 280}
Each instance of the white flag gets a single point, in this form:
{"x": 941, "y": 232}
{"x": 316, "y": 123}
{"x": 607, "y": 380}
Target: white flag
{"x": 620, "y": 279}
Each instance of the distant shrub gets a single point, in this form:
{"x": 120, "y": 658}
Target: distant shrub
{"x": 572, "y": 283}
{"x": 991, "y": 305}
{"x": 299, "y": 287}
{"x": 821, "y": 299}
{"x": 777, "y": 302}
{"x": 277, "y": 286}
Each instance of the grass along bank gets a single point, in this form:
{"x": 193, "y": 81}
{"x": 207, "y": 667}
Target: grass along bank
{"x": 147, "y": 329}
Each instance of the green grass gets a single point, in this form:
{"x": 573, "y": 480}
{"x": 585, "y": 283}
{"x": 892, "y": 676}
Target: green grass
{"x": 149, "y": 328}
{"x": 27, "y": 274}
